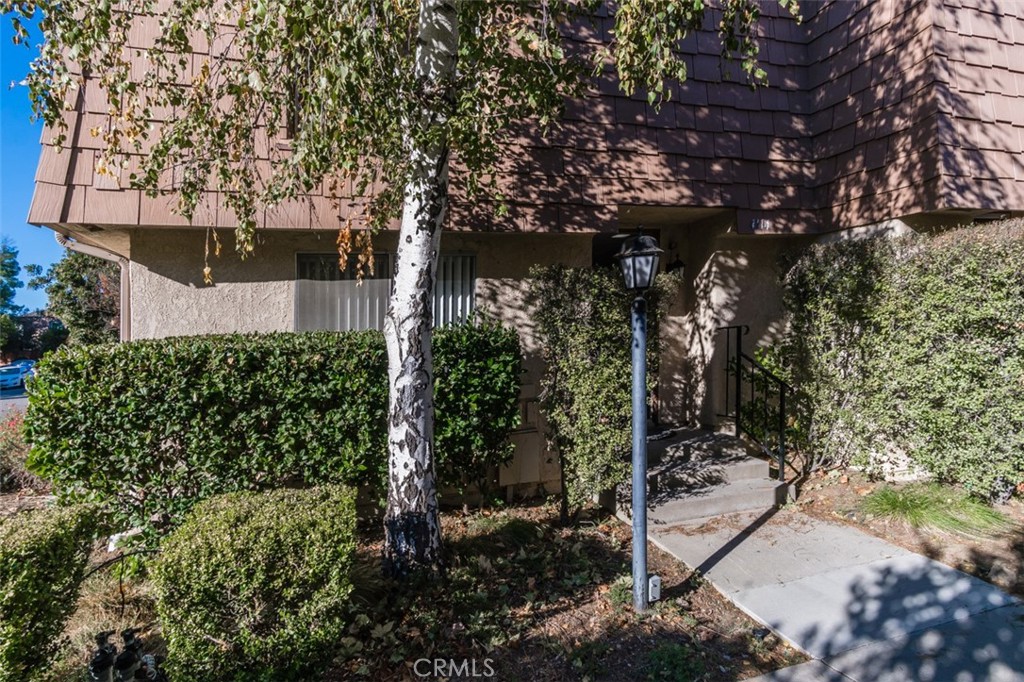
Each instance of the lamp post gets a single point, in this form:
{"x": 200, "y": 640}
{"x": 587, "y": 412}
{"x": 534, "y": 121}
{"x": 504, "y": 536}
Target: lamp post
{"x": 639, "y": 261}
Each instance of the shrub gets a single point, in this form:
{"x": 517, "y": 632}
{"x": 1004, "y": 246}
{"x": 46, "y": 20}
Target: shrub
{"x": 582, "y": 317}
{"x": 13, "y": 451}
{"x": 675, "y": 662}
{"x": 255, "y": 586}
{"x": 915, "y": 346}
{"x": 152, "y": 427}
{"x": 476, "y": 387}
{"x": 830, "y": 292}
{"x": 43, "y": 554}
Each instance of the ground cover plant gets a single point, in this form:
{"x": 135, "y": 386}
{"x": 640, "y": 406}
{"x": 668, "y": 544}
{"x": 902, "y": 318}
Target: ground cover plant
{"x": 937, "y": 507}
{"x": 912, "y": 349}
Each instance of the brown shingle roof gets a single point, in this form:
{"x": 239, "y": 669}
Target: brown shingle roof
{"x": 874, "y": 110}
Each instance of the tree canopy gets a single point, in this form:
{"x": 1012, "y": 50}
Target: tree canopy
{"x": 336, "y": 78}
{"x": 9, "y": 285}
{"x": 9, "y": 282}
{"x": 84, "y": 293}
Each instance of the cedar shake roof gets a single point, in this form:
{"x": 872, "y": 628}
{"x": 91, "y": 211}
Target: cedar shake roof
{"x": 874, "y": 110}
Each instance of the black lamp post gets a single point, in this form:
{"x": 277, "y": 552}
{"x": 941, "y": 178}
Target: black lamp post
{"x": 639, "y": 259}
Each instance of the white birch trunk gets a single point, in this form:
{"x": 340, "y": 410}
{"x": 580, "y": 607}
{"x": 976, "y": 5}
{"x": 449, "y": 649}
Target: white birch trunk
{"x": 412, "y": 527}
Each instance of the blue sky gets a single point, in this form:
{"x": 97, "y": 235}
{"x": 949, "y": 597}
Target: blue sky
{"x": 19, "y": 154}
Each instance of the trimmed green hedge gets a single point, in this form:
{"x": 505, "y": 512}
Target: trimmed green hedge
{"x": 152, "y": 427}
{"x": 43, "y": 554}
{"x": 255, "y": 586}
{"x": 915, "y": 346}
{"x": 476, "y": 395}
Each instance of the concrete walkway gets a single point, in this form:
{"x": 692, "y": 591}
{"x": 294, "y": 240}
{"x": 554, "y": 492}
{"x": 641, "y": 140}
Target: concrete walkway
{"x": 865, "y": 610}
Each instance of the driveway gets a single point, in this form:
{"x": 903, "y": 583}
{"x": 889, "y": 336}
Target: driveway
{"x": 12, "y": 399}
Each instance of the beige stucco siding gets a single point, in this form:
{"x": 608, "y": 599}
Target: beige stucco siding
{"x": 503, "y": 266}
{"x": 169, "y": 297}
{"x": 728, "y": 279}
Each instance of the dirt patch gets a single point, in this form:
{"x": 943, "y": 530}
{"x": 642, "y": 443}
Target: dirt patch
{"x": 13, "y": 503}
{"x": 597, "y": 637}
{"x": 998, "y": 559}
{"x": 563, "y": 610}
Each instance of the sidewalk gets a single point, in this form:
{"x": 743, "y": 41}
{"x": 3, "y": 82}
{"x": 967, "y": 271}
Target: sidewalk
{"x": 865, "y": 610}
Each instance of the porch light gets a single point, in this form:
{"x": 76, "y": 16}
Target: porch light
{"x": 639, "y": 257}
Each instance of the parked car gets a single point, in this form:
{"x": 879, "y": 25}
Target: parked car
{"x": 15, "y": 374}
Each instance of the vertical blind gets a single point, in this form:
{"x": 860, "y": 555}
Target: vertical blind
{"x": 454, "y": 289}
{"x": 327, "y": 297}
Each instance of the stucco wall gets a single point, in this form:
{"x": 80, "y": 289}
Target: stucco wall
{"x": 503, "y": 265}
{"x": 169, "y": 297}
{"x": 729, "y": 279}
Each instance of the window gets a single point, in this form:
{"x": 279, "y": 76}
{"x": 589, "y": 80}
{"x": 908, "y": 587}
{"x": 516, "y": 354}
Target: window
{"x": 327, "y": 297}
{"x": 454, "y": 289}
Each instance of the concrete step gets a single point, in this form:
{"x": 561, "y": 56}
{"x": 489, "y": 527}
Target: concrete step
{"x": 691, "y": 461}
{"x": 694, "y": 474}
{"x": 698, "y": 475}
{"x": 693, "y": 445}
{"x": 726, "y": 498}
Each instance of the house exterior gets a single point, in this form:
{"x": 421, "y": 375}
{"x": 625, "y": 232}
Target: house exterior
{"x": 879, "y": 116}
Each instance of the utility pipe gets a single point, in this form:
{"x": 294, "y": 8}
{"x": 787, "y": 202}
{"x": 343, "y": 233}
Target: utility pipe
{"x": 69, "y": 242}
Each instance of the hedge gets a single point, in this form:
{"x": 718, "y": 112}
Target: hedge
{"x": 476, "y": 386}
{"x": 914, "y": 346}
{"x": 583, "y": 320}
{"x": 43, "y": 554}
{"x": 255, "y": 586}
{"x": 151, "y": 427}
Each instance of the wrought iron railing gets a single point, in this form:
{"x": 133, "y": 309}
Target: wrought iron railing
{"x": 755, "y": 398}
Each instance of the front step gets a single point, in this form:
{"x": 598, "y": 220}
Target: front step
{"x": 728, "y": 498}
{"x": 696, "y": 444}
{"x": 696, "y": 474}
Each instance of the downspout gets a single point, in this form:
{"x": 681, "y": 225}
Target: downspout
{"x": 126, "y": 285}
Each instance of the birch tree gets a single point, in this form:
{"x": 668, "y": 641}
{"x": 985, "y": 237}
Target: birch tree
{"x": 382, "y": 101}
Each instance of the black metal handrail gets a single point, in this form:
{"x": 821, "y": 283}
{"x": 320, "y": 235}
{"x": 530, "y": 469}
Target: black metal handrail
{"x": 755, "y": 398}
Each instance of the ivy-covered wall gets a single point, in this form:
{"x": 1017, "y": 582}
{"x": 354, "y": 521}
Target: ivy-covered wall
{"x": 913, "y": 347}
